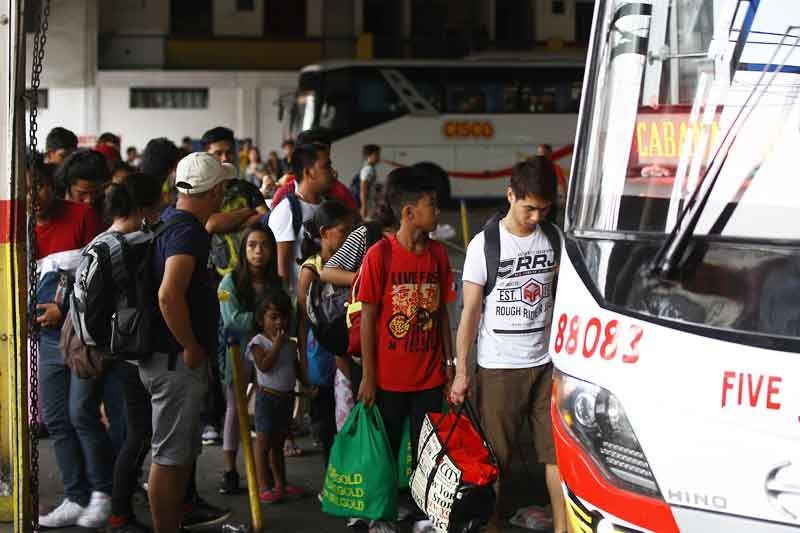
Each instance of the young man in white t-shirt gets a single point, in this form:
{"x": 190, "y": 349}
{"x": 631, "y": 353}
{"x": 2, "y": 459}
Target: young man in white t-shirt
{"x": 512, "y": 323}
{"x": 313, "y": 172}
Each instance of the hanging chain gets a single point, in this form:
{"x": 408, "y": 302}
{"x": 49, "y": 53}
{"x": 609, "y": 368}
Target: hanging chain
{"x": 39, "y": 41}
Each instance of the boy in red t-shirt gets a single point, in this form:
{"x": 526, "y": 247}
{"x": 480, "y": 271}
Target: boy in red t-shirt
{"x": 406, "y": 284}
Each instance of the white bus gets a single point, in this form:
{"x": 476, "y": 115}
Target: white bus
{"x": 466, "y": 122}
{"x": 676, "y": 328}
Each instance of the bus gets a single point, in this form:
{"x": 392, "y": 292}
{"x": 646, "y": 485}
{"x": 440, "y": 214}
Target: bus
{"x": 465, "y": 123}
{"x": 676, "y": 326}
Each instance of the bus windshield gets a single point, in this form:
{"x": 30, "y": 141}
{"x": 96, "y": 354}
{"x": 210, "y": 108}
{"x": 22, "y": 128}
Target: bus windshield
{"x": 672, "y": 82}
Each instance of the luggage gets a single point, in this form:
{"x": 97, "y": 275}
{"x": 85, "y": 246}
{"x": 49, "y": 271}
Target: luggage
{"x": 456, "y": 470}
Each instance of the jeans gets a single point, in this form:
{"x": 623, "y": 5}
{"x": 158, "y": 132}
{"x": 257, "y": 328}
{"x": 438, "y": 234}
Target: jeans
{"x": 323, "y": 418}
{"x": 54, "y": 386}
{"x": 85, "y": 396}
{"x": 137, "y": 440}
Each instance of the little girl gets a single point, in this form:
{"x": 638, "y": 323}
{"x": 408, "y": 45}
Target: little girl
{"x": 238, "y": 292}
{"x": 275, "y": 358}
{"x": 323, "y": 236}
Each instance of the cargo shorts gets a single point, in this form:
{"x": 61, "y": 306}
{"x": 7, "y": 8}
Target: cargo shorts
{"x": 508, "y": 397}
{"x": 178, "y": 398}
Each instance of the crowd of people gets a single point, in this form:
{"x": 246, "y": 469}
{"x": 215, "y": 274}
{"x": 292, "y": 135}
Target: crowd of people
{"x": 237, "y": 244}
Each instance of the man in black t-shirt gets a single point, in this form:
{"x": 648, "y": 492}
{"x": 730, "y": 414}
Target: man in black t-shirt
{"x": 176, "y": 375}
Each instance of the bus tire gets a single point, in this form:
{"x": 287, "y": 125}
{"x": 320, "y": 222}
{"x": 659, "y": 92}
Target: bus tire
{"x": 439, "y": 177}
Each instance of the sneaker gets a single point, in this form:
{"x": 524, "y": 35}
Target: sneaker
{"x": 382, "y": 527}
{"x": 64, "y": 515}
{"x": 202, "y": 514}
{"x": 423, "y": 526}
{"x": 97, "y": 513}
{"x": 357, "y": 523}
{"x": 230, "y": 483}
{"x": 272, "y": 496}
{"x": 210, "y": 435}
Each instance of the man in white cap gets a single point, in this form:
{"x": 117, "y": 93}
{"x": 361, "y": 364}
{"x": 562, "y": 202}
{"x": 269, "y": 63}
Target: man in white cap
{"x": 176, "y": 375}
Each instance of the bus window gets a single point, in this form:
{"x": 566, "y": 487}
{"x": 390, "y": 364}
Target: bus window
{"x": 428, "y": 84}
{"x": 335, "y": 109}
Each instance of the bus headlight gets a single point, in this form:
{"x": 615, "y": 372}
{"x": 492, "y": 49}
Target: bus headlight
{"x": 596, "y": 419}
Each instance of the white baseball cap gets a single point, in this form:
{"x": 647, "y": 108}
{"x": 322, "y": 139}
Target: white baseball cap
{"x": 200, "y": 172}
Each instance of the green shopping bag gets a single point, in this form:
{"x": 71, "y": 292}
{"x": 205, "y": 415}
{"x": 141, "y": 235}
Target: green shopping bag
{"x": 361, "y": 481}
{"x": 405, "y": 457}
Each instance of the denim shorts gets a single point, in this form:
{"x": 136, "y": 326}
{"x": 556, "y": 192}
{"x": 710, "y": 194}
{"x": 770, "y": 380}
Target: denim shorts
{"x": 273, "y": 412}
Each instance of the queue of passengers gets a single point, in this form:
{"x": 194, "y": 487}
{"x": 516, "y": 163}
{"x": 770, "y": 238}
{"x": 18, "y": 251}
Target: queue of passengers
{"x": 235, "y": 257}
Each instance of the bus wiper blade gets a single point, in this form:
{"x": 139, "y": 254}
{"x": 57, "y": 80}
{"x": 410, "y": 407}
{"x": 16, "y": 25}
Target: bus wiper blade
{"x": 672, "y": 251}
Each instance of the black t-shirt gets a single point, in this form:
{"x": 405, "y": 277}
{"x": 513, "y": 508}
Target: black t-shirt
{"x": 188, "y": 237}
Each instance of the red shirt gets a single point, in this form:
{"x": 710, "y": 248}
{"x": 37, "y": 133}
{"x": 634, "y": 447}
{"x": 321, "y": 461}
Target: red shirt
{"x": 411, "y": 292}
{"x": 71, "y": 227}
{"x": 337, "y": 192}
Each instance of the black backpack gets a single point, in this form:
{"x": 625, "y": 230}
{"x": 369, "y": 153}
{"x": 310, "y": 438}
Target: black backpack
{"x": 491, "y": 247}
{"x": 137, "y": 312}
{"x": 326, "y": 305}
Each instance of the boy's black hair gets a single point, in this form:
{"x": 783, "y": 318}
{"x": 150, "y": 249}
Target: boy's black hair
{"x": 218, "y": 134}
{"x": 108, "y": 137}
{"x": 130, "y": 149}
{"x": 59, "y": 138}
{"x": 136, "y": 191}
{"x": 122, "y": 165}
{"x": 287, "y": 142}
{"x": 276, "y": 298}
{"x": 144, "y": 189}
{"x": 304, "y": 157}
{"x": 314, "y": 136}
{"x": 409, "y": 185}
{"x": 370, "y": 149}
{"x": 330, "y": 213}
{"x": 186, "y": 139}
{"x": 159, "y": 158}
{"x": 83, "y": 164}
{"x": 535, "y": 176}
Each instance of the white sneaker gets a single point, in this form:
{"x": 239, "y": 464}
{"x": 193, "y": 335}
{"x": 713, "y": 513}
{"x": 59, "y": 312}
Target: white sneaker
{"x": 210, "y": 435}
{"x": 96, "y": 515}
{"x": 357, "y": 522}
{"x": 64, "y": 515}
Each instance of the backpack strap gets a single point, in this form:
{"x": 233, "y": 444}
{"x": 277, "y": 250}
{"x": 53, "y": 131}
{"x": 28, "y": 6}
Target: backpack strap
{"x": 491, "y": 251}
{"x": 297, "y": 212}
{"x": 553, "y": 235}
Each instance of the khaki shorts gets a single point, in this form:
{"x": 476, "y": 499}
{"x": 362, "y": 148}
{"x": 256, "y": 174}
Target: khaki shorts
{"x": 178, "y": 398}
{"x": 507, "y": 397}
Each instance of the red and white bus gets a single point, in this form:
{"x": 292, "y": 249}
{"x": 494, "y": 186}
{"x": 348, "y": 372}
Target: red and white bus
{"x": 676, "y": 328}
{"x": 466, "y": 122}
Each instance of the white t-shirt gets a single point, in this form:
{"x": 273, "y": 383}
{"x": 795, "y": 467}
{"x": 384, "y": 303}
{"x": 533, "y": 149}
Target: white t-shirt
{"x": 282, "y": 376}
{"x": 280, "y": 222}
{"x": 515, "y": 326}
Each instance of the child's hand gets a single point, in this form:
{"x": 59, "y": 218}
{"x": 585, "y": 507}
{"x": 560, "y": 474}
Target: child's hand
{"x": 280, "y": 338}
